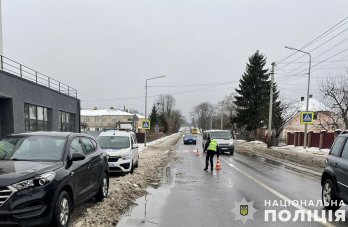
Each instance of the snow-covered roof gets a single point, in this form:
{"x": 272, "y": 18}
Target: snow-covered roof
{"x": 313, "y": 105}
{"x": 105, "y": 112}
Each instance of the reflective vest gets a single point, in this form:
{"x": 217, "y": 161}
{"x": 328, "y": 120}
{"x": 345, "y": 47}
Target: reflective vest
{"x": 212, "y": 145}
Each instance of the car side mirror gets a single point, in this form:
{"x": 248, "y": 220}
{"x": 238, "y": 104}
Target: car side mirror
{"x": 77, "y": 157}
{"x": 135, "y": 146}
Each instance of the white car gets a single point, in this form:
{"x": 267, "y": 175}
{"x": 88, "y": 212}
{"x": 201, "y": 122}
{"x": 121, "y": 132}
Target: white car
{"x": 122, "y": 149}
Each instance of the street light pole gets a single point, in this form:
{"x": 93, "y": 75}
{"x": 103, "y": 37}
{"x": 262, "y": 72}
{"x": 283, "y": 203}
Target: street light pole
{"x": 308, "y": 85}
{"x": 152, "y": 78}
{"x": 269, "y": 137}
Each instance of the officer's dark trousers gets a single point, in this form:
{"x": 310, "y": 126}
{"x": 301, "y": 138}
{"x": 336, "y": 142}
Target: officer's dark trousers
{"x": 210, "y": 155}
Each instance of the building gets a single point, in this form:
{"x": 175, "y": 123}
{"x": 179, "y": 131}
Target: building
{"x": 324, "y": 118}
{"x": 31, "y": 101}
{"x": 99, "y": 119}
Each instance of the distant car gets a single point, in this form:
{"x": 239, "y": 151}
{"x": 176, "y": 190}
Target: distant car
{"x": 190, "y": 139}
{"x": 334, "y": 179}
{"x": 43, "y": 175}
{"x": 122, "y": 149}
{"x": 224, "y": 139}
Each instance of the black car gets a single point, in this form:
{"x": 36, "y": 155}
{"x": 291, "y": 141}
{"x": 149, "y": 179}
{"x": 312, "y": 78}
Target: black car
{"x": 334, "y": 179}
{"x": 189, "y": 139}
{"x": 43, "y": 175}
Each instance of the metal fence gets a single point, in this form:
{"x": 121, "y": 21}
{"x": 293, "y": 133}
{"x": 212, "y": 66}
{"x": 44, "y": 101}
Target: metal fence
{"x": 27, "y": 73}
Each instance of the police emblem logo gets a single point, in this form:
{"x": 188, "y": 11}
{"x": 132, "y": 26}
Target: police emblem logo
{"x": 244, "y": 210}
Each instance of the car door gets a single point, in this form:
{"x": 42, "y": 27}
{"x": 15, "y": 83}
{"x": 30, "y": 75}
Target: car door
{"x": 135, "y": 150}
{"x": 79, "y": 171}
{"x": 93, "y": 163}
{"x": 341, "y": 170}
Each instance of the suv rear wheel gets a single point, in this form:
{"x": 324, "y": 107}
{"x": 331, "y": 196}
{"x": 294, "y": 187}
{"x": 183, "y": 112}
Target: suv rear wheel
{"x": 328, "y": 195}
{"x": 103, "y": 189}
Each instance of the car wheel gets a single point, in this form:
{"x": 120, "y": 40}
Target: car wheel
{"x": 103, "y": 189}
{"x": 328, "y": 195}
{"x": 137, "y": 163}
{"x": 132, "y": 169}
{"x": 62, "y": 208}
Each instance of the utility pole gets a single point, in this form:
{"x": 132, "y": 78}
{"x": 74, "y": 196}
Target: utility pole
{"x": 152, "y": 78}
{"x": 222, "y": 119}
{"x": 269, "y": 137}
{"x": 308, "y": 86}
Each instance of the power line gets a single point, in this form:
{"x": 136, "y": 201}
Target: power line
{"x": 317, "y": 38}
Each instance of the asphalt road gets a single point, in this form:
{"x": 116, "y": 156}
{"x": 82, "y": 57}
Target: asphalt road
{"x": 192, "y": 197}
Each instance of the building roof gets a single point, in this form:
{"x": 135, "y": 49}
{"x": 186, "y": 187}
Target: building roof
{"x": 107, "y": 112}
{"x": 313, "y": 105}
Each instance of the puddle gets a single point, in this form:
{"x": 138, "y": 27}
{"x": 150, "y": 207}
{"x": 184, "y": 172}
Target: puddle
{"x": 148, "y": 209}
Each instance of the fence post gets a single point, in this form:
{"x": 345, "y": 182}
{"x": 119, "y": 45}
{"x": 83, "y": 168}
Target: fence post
{"x": 35, "y": 76}
{"x": 59, "y": 86}
{"x": 2, "y": 63}
{"x": 295, "y": 138}
{"x": 309, "y": 138}
{"x": 287, "y": 138}
{"x": 300, "y": 143}
{"x": 322, "y": 138}
{"x": 68, "y": 90}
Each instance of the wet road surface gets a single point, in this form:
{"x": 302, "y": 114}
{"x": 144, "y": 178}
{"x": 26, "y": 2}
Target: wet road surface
{"x": 190, "y": 196}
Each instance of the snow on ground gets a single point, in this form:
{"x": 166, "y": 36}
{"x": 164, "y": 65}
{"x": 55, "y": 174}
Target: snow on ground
{"x": 293, "y": 148}
{"x": 160, "y": 140}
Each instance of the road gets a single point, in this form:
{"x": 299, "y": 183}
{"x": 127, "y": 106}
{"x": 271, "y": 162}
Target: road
{"x": 190, "y": 196}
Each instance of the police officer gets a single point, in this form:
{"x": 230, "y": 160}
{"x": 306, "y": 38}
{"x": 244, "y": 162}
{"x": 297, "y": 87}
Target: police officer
{"x": 211, "y": 148}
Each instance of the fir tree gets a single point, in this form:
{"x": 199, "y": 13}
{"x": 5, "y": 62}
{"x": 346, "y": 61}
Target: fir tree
{"x": 252, "y": 98}
{"x": 153, "y": 117}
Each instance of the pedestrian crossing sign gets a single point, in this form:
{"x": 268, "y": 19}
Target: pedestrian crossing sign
{"x": 307, "y": 118}
{"x": 146, "y": 124}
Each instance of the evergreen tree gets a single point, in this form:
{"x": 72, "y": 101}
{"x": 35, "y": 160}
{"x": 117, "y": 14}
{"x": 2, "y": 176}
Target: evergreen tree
{"x": 153, "y": 117}
{"x": 252, "y": 99}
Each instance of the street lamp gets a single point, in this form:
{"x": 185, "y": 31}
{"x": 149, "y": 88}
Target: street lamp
{"x": 309, "y": 79}
{"x": 152, "y": 78}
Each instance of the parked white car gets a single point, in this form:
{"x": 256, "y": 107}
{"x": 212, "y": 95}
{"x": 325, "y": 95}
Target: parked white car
{"x": 122, "y": 149}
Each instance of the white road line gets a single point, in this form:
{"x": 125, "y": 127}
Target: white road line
{"x": 281, "y": 196}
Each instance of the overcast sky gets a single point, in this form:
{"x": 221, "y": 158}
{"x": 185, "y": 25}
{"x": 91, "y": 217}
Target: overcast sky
{"x": 107, "y": 48}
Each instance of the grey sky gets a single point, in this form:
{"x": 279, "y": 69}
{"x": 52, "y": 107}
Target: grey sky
{"x": 106, "y": 49}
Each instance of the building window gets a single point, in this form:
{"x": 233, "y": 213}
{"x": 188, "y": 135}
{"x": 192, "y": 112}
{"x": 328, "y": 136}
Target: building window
{"x": 36, "y": 118}
{"x": 66, "y": 121}
{"x": 103, "y": 119}
{"x": 95, "y": 119}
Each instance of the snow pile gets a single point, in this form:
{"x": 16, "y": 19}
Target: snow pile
{"x": 300, "y": 149}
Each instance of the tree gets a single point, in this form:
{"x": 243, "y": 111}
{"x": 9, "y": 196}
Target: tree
{"x": 84, "y": 126}
{"x": 253, "y": 94}
{"x": 203, "y": 114}
{"x": 228, "y": 109}
{"x": 169, "y": 118}
{"x": 153, "y": 117}
{"x": 335, "y": 92}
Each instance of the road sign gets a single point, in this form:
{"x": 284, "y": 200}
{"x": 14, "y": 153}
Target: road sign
{"x": 307, "y": 118}
{"x": 146, "y": 124}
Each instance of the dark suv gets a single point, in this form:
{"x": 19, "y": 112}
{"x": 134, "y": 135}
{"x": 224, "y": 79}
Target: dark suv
{"x": 43, "y": 175}
{"x": 334, "y": 179}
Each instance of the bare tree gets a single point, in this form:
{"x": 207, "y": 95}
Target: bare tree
{"x": 335, "y": 92}
{"x": 203, "y": 114}
{"x": 228, "y": 108}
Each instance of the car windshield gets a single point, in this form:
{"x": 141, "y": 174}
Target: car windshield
{"x": 114, "y": 142}
{"x": 32, "y": 148}
{"x": 221, "y": 135}
{"x": 189, "y": 136}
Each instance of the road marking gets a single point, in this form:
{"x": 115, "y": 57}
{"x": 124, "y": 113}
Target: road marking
{"x": 276, "y": 193}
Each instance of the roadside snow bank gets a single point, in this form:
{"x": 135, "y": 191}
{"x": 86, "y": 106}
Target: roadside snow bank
{"x": 311, "y": 157}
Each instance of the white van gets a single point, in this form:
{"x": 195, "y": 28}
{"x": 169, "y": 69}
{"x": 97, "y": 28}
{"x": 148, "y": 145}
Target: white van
{"x": 122, "y": 149}
{"x": 224, "y": 139}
